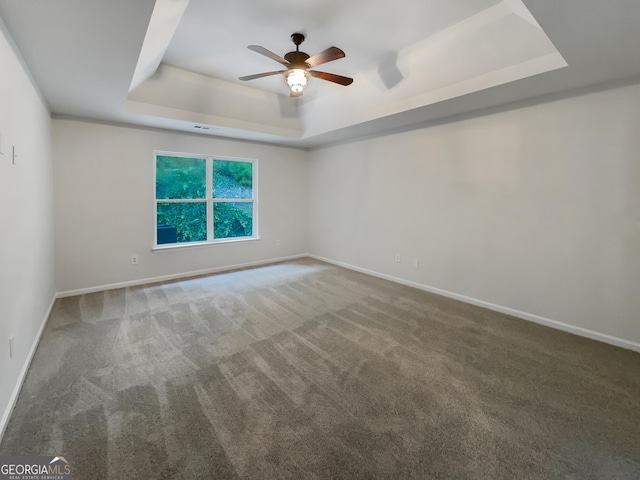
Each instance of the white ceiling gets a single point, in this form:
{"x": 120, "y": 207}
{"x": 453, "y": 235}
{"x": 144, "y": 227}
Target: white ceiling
{"x": 175, "y": 63}
{"x": 364, "y": 28}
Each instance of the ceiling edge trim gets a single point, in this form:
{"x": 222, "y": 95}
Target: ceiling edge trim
{"x": 164, "y": 21}
{"x": 142, "y": 108}
{"x": 25, "y": 66}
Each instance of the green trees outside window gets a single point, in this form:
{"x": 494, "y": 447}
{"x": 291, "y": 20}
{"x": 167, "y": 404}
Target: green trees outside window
{"x": 188, "y": 211}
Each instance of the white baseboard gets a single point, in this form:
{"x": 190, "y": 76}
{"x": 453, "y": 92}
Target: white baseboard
{"x": 176, "y": 276}
{"x": 6, "y": 415}
{"x": 583, "y": 332}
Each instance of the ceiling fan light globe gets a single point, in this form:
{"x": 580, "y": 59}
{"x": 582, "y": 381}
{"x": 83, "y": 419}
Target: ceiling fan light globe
{"x": 297, "y": 79}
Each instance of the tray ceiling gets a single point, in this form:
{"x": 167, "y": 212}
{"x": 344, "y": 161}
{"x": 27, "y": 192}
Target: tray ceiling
{"x": 175, "y": 63}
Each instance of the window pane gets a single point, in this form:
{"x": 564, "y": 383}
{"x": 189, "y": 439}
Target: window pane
{"x": 182, "y": 222}
{"x": 178, "y": 177}
{"x": 232, "y": 219}
{"x": 232, "y": 179}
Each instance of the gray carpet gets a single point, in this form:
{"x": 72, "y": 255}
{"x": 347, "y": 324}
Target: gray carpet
{"x": 306, "y": 370}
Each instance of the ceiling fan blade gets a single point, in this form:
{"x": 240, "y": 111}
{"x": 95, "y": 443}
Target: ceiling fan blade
{"x": 268, "y": 53}
{"x": 295, "y": 94}
{"x": 332, "y": 77}
{"x": 260, "y": 75}
{"x": 328, "y": 55}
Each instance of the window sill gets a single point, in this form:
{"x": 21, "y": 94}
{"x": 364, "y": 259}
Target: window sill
{"x": 180, "y": 246}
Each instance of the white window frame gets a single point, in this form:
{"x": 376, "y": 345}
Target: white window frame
{"x": 209, "y": 200}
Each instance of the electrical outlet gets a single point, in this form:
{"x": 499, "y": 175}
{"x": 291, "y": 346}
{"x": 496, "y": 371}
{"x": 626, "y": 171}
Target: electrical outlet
{"x": 278, "y": 243}
{"x": 11, "y": 338}
{"x": 416, "y": 263}
{"x": 134, "y": 259}
{"x": 398, "y": 258}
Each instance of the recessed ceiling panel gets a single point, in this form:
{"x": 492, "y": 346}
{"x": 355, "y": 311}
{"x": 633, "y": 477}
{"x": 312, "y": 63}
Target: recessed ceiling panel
{"x": 212, "y": 37}
{"x": 445, "y": 49}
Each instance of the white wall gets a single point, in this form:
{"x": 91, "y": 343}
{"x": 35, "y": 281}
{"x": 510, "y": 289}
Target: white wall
{"x": 535, "y": 209}
{"x": 26, "y": 225}
{"x": 104, "y": 209}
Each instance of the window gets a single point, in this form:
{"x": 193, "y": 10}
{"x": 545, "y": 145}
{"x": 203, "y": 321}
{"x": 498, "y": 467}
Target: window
{"x": 204, "y": 199}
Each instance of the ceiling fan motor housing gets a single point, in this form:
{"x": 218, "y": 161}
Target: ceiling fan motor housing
{"x": 297, "y": 59}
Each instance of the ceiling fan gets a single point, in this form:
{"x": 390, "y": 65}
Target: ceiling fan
{"x": 298, "y": 63}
